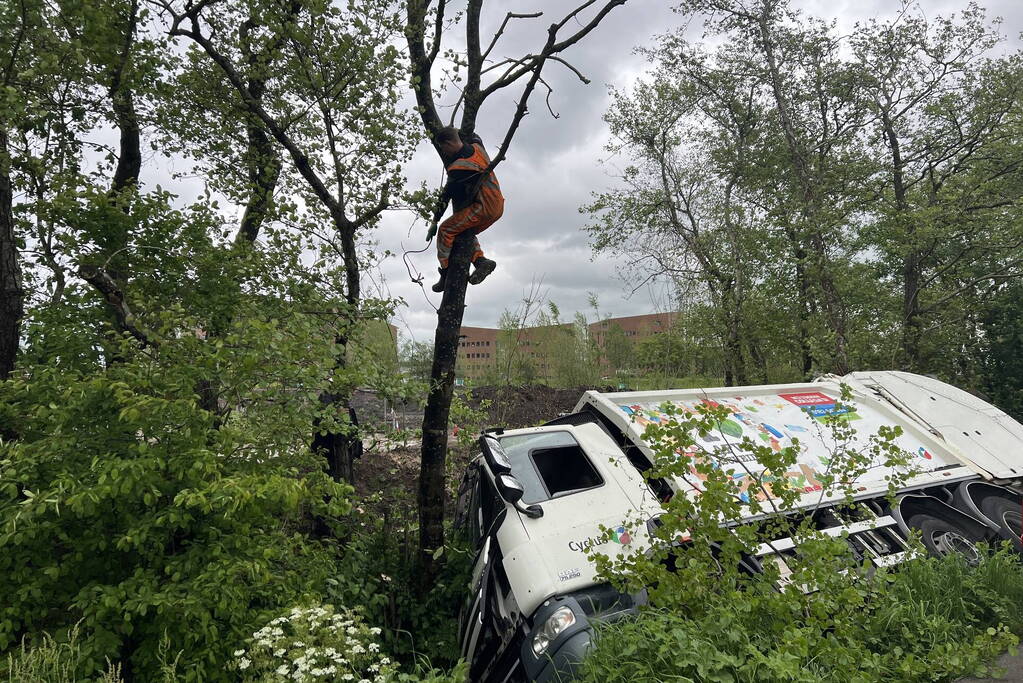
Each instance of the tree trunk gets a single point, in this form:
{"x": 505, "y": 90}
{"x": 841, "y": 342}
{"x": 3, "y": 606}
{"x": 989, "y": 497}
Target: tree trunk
{"x": 911, "y": 264}
{"x": 129, "y": 156}
{"x": 438, "y": 406}
{"x": 802, "y": 305}
{"x": 12, "y": 304}
{"x": 264, "y": 167}
{"x": 912, "y": 324}
{"x": 735, "y": 364}
{"x": 339, "y": 449}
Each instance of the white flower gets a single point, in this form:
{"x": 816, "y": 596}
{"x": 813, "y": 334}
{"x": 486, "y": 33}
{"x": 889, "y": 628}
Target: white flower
{"x": 282, "y": 670}
{"x": 358, "y": 649}
{"x": 278, "y": 653}
{"x": 373, "y": 647}
{"x": 348, "y": 677}
{"x": 244, "y": 664}
{"x": 386, "y": 578}
{"x": 375, "y": 631}
{"x": 352, "y": 630}
{"x": 374, "y": 667}
{"x": 298, "y": 644}
{"x": 239, "y": 653}
{"x": 385, "y": 661}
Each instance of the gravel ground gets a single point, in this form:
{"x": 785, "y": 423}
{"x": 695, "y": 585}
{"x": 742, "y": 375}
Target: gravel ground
{"x": 1013, "y": 664}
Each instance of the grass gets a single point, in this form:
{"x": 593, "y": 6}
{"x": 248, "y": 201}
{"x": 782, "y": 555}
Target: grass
{"x": 50, "y": 661}
{"x": 936, "y": 619}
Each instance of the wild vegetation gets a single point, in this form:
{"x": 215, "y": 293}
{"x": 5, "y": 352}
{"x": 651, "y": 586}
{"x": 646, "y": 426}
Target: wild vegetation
{"x": 178, "y": 453}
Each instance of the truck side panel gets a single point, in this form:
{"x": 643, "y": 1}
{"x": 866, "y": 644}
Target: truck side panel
{"x": 790, "y": 415}
{"x": 975, "y": 429}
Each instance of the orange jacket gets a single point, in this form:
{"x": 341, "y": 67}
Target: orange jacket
{"x": 489, "y": 190}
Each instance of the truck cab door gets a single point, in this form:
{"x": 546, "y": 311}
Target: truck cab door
{"x": 472, "y": 618}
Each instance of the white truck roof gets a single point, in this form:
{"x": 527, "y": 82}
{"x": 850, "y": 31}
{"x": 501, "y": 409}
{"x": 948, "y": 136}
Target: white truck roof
{"x": 950, "y": 434}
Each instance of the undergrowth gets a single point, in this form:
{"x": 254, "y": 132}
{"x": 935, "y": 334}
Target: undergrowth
{"x": 934, "y": 619}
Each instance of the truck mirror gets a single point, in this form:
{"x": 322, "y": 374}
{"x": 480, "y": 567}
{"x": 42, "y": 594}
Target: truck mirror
{"x": 510, "y": 488}
{"x": 494, "y": 454}
{"x": 512, "y": 491}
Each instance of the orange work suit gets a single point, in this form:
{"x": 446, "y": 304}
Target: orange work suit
{"x": 486, "y": 207}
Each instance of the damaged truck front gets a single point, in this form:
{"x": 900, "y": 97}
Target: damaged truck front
{"x": 536, "y": 500}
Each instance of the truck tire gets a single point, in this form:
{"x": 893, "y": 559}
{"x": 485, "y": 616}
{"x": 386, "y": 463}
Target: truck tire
{"x": 942, "y": 537}
{"x": 1006, "y": 514}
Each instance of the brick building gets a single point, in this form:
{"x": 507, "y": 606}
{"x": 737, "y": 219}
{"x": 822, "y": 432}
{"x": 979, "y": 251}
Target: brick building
{"x": 477, "y": 351}
{"x": 635, "y": 327}
{"x": 478, "y": 346}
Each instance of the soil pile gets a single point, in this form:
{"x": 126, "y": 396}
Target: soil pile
{"x": 525, "y": 406}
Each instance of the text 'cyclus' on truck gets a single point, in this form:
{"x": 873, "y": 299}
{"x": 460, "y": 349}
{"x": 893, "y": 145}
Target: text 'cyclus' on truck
{"x": 537, "y": 499}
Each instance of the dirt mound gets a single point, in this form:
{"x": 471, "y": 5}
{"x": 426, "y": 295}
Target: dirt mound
{"x": 525, "y": 406}
{"x": 387, "y": 475}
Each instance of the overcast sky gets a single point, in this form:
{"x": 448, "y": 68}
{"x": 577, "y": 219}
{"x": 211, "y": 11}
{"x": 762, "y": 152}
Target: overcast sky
{"x": 555, "y": 164}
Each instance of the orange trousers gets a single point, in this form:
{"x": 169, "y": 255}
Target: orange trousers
{"x": 476, "y": 218}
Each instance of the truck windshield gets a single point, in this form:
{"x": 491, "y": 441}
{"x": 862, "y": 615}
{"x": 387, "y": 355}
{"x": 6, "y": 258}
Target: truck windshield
{"x": 549, "y": 464}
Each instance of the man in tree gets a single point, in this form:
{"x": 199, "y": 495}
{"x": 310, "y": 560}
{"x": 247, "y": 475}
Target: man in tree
{"x": 476, "y": 200}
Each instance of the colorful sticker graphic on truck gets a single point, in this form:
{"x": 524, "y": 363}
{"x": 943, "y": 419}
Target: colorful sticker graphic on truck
{"x": 791, "y": 419}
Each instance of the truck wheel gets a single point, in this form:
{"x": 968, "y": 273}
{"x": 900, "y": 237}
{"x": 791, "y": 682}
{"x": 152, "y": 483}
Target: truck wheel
{"x": 941, "y": 537}
{"x": 1006, "y": 513}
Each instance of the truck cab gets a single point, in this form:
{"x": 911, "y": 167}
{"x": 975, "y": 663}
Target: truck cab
{"x": 532, "y": 504}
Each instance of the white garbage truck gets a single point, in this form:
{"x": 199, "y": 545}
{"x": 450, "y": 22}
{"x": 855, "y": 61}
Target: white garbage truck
{"x": 535, "y": 500}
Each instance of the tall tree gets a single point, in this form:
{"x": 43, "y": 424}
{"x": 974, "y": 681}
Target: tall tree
{"x": 818, "y": 117}
{"x": 944, "y": 118}
{"x": 12, "y": 294}
{"x": 331, "y": 108}
{"x": 425, "y": 31}
{"x": 684, "y": 209}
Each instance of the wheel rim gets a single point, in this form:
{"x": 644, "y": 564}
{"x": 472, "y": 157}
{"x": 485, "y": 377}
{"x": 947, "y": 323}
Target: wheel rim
{"x": 1013, "y": 521}
{"x": 948, "y": 542}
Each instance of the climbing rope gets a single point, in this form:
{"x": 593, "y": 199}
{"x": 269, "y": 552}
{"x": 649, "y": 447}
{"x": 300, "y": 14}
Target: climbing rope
{"x": 418, "y": 277}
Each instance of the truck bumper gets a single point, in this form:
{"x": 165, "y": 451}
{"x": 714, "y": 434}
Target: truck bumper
{"x": 562, "y": 664}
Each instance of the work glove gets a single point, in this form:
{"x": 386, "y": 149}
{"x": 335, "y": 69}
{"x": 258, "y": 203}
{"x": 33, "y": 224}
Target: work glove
{"x": 432, "y": 231}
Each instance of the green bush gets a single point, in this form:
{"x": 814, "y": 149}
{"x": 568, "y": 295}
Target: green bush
{"x": 379, "y": 573}
{"x": 935, "y": 619}
{"x": 122, "y": 508}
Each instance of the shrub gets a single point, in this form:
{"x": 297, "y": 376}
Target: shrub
{"x": 122, "y": 507}
{"x": 936, "y": 619}
{"x": 316, "y": 643}
{"x": 378, "y": 573}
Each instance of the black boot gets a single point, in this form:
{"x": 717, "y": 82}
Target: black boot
{"x": 439, "y": 285}
{"x": 484, "y": 267}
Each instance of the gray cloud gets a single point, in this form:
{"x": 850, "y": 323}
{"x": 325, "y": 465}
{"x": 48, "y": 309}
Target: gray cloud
{"x": 554, "y": 164}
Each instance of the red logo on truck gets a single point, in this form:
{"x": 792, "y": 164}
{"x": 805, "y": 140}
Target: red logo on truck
{"x": 819, "y": 405}
{"x": 810, "y": 398}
